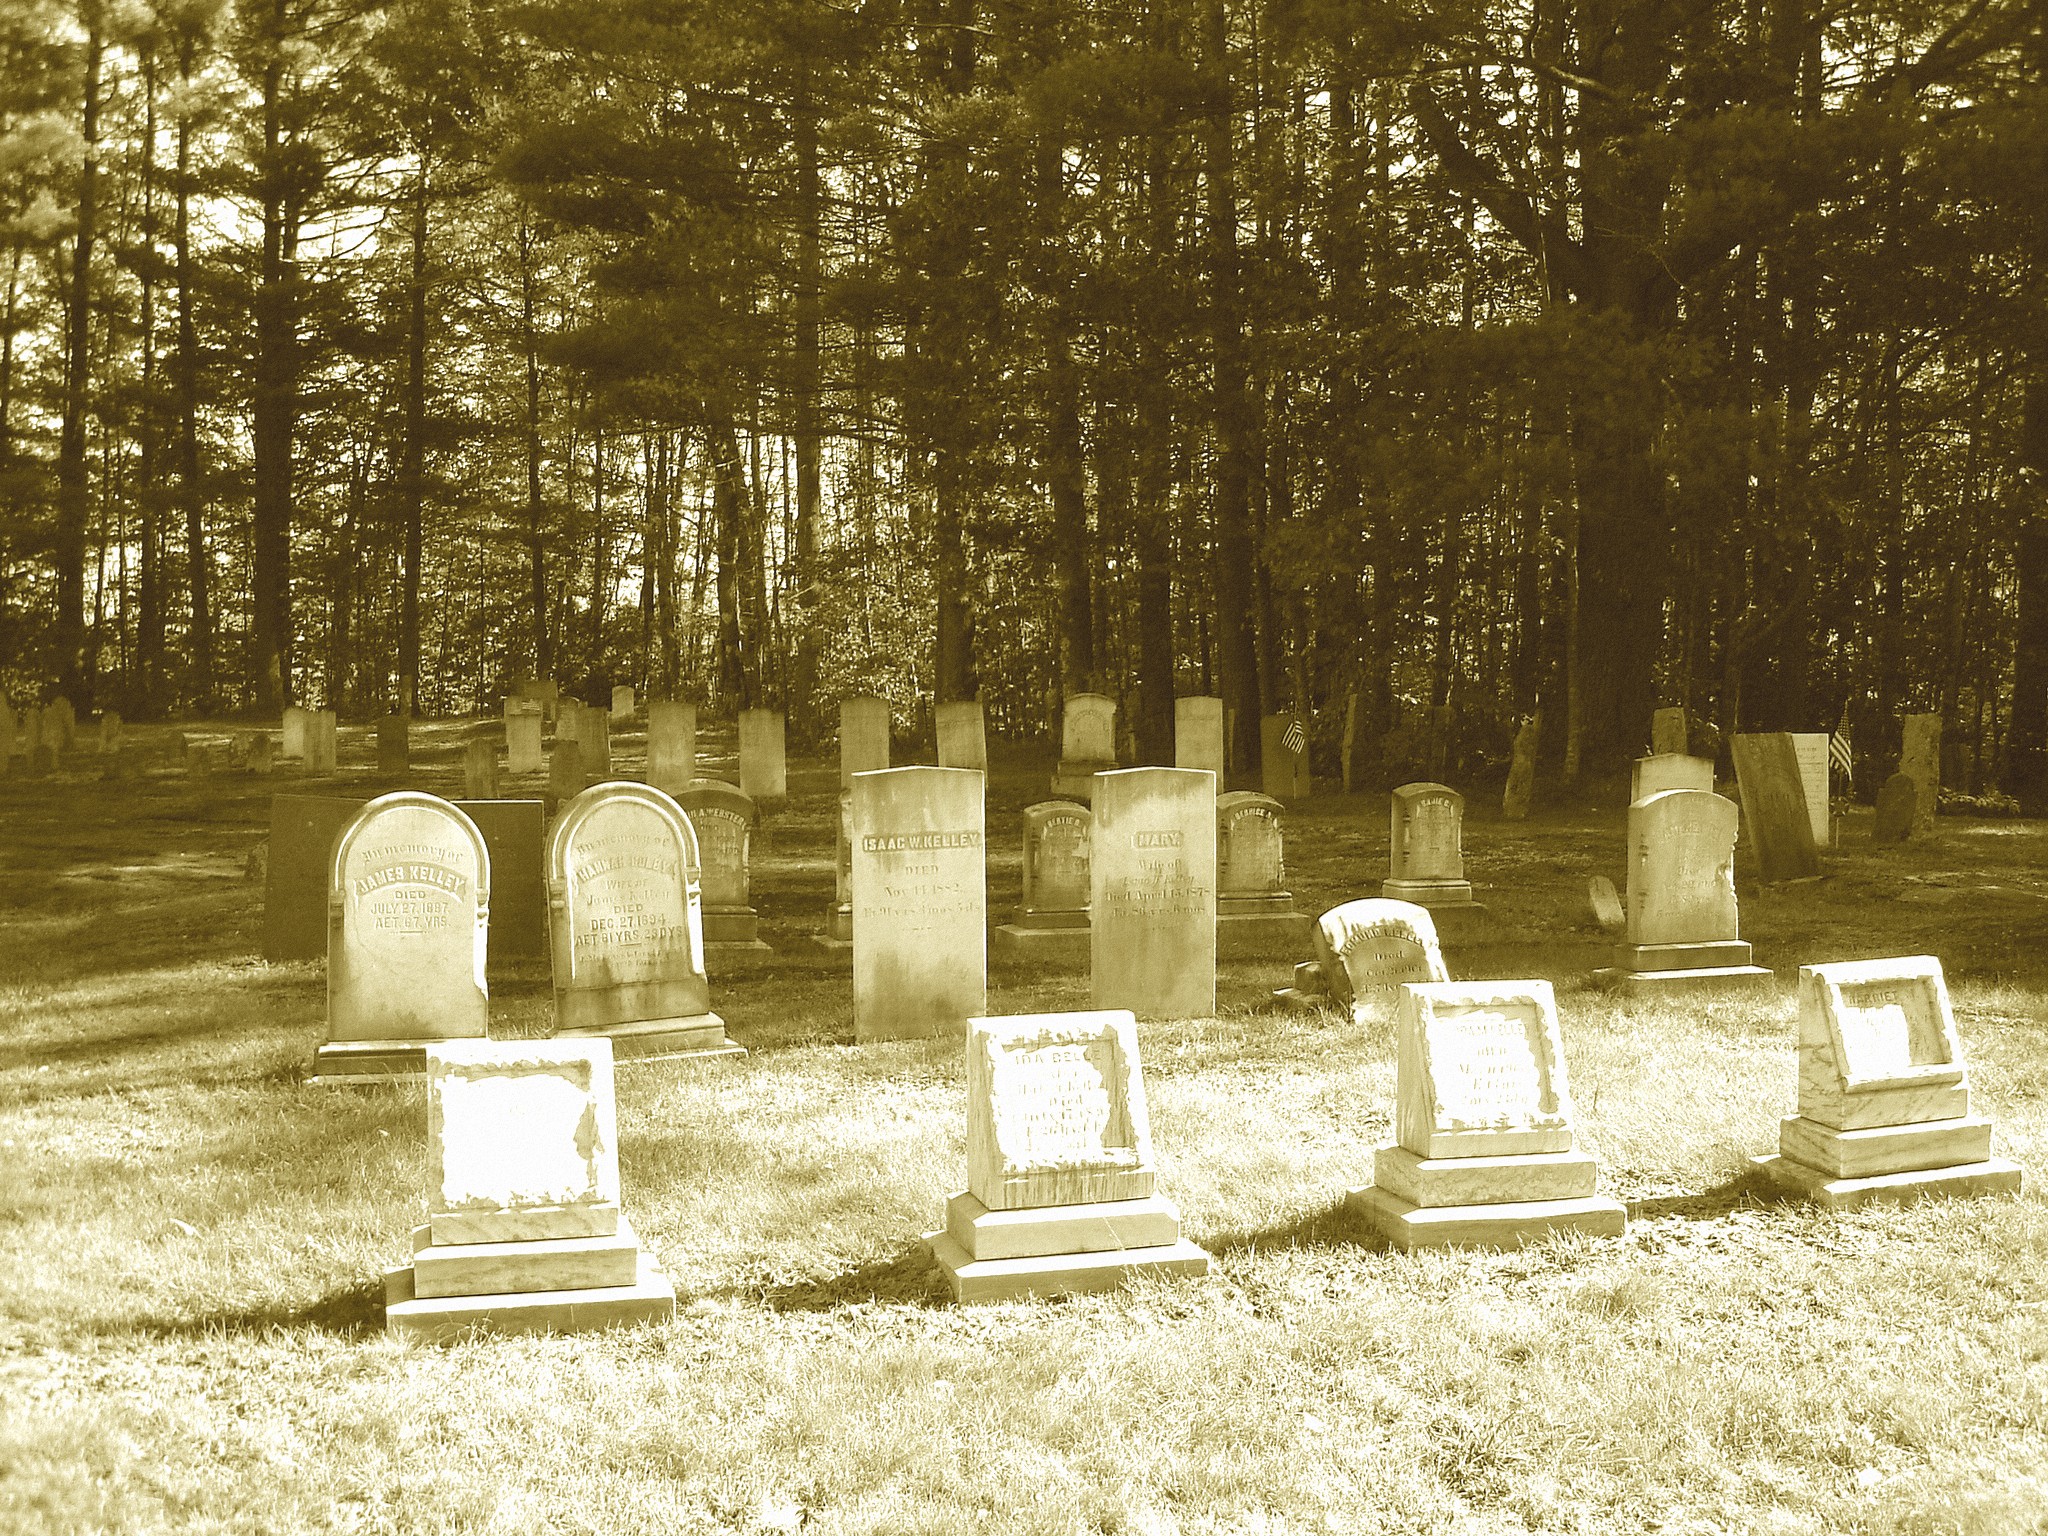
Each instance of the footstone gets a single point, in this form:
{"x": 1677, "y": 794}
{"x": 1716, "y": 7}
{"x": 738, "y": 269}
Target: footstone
{"x": 1774, "y": 806}
{"x": 1920, "y": 761}
{"x": 1426, "y": 847}
{"x": 1153, "y": 892}
{"x": 764, "y": 770}
{"x": 1283, "y": 756}
{"x": 626, "y": 924}
{"x": 1897, "y": 810}
{"x": 863, "y": 737}
{"x": 1050, "y": 926}
{"x": 724, "y": 821}
{"x": 919, "y": 883}
{"x": 1255, "y": 913}
{"x": 962, "y": 734}
{"x": 1198, "y": 734}
{"x": 1682, "y": 929}
{"x": 1087, "y": 744}
{"x": 671, "y": 745}
{"x": 480, "y": 769}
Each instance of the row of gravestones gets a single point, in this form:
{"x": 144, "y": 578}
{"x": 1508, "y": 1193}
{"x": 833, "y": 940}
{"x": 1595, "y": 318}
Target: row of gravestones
{"x": 525, "y": 1230}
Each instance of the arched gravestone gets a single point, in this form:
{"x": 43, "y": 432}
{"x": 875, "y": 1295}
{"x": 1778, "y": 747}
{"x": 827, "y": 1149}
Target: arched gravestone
{"x": 1660, "y": 771}
{"x": 1426, "y": 847}
{"x": 1051, "y": 923}
{"x": 626, "y": 925}
{"x": 408, "y": 916}
{"x": 1367, "y": 950}
{"x": 1254, "y": 909}
{"x": 1682, "y": 928}
{"x": 724, "y": 821}
{"x": 1087, "y": 743}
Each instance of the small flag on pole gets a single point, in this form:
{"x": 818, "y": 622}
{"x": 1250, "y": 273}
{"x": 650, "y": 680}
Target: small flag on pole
{"x": 1295, "y": 739}
{"x": 1838, "y": 753}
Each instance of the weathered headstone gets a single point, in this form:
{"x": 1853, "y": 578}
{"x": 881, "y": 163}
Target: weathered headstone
{"x": 262, "y": 752}
{"x": 1152, "y": 904}
{"x": 60, "y": 724}
{"x": 1668, "y": 733}
{"x": 1254, "y": 909}
{"x": 294, "y": 732}
{"x": 480, "y": 768}
{"x": 1521, "y": 786}
{"x": 1483, "y": 1153}
{"x": 566, "y": 777}
{"x": 523, "y": 1231}
{"x": 863, "y": 737}
{"x": 919, "y": 885}
{"x": 1811, "y": 749}
{"x": 1774, "y": 806}
{"x": 1896, "y": 806}
{"x": 198, "y": 760}
{"x": 1426, "y": 847}
{"x": 1198, "y": 734}
{"x": 1920, "y": 761}
{"x": 523, "y": 737}
{"x": 724, "y": 820}
{"x": 1087, "y": 744}
{"x": 671, "y": 745}
{"x": 594, "y": 735}
{"x": 622, "y": 703}
{"x": 1366, "y": 951}
{"x": 764, "y": 768}
{"x": 408, "y": 918}
{"x": 1283, "y": 753}
{"x": 626, "y": 925}
{"x": 548, "y": 695}
{"x": 323, "y": 753}
{"x": 1606, "y": 904}
{"x": 962, "y": 734}
{"x": 110, "y": 731}
{"x": 1061, "y": 1194}
{"x": 394, "y": 745}
{"x": 1051, "y": 923}
{"x": 1669, "y": 770}
{"x": 1682, "y": 927}
{"x": 1884, "y": 1100}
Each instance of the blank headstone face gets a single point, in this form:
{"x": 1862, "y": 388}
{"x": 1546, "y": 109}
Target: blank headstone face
{"x": 1057, "y": 834}
{"x": 1373, "y": 947}
{"x": 480, "y": 769}
{"x": 322, "y": 746}
{"x": 764, "y": 769}
{"x": 517, "y": 1125}
{"x": 303, "y": 831}
{"x": 523, "y": 737}
{"x": 1890, "y": 1019}
{"x": 863, "y": 737}
{"x": 294, "y": 731}
{"x": 565, "y": 768}
{"x": 1426, "y": 840}
{"x": 1284, "y": 771}
{"x": 1478, "y": 1061}
{"x": 411, "y": 885}
{"x": 920, "y": 905}
{"x": 1668, "y": 733}
{"x": 1153, "y": 908}
{"x": 1198, "y": 734}
{"x": 1056, "y": 1111}
{"x": 1669, "y": 770}
{"x": 1681, "y": 868}
{"x": 513, "y": 835}
{"x": 1088, "y": 729}
{"x": 1920, "y": 761}
{"x": 1250, "y": 856}
{"x": 1811, "y": 750}
{"x": 671, "y": 745}
{"x": 394, "y": 744}
{"x": 1897, "y": 803}
{"x": 627, "y": 921}
{"x": 962, "y": 734}
{"x": 622, "y": 703}
{"x": 724, "y": 820}
{"x": 1774, "y": 800}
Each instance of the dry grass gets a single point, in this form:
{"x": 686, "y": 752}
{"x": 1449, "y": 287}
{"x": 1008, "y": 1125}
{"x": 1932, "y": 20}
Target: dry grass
{"x": 190, "y": 1334}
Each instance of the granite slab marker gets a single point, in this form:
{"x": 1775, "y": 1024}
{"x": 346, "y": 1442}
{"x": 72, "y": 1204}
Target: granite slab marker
{"x": 1774, "y": 806}
{"x": 919, "y": 887}
{"x": 1153, "y": 892}
{"x": 514, "y": 836}
{"x": 303, "y": 832}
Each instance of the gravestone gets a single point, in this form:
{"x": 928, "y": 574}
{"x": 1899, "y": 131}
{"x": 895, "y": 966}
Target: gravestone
{"x": 523, "y": 1231}
{"x": 547, "y": 695}
{"x": 1050, "y": 926}
{"x": 1521, "y": 786}
{"x": 671, "y": 745}
{"x": 1198, "y": 734}
{"x": 1896, "y": 805}
{"x": 480, "y": 768}
{"x": 1682, "y": 928}
{"x": 622, "y": 703}
{"x": 764, "y": 767}
{"x": 1426, "y": 847}
{"x": 1061, "y": 1190}
{"x": 626, "y": 926}
{"x": 408, "y": 919}
{"x": 1774, "y": 807}
{"x": 919, "y": 885}
{"x": 1254, "y": 909}
{"x": 1152, "y": 901}
{"x": 594, "y": 736}
{"x": 1669, "y": 770}
{"x": 1483, "y": 1153}
{"x": 1606, "y": 904}
{"x": 323, "y": 753}
{"x": 863, "y": 737}
{"x": 1811, "y": 749}
{"x": 1087, "y": 744}
{"x": 523, "y": 737}
{"x": 303, "y": 831}
{"x": 1920, "y": 761}
{"x": 837, "y": 939}
{"x": 724, "y": 820}
{"x": 110, "y": 731}
{"x": 394, "y": 745}
{"x": 962, "y": 735}
{"x": 262, "y": 752}
{"x": 198, "y": 760}
{"x": 513, "y": 836}
{"x": 566, "y": 778}
{"x": 32, "y": 734}
{"x": 294, "y": 731}
{"x": 60, "y": 724}
{"x": 1366, "y": 951}
{"x": 1283, "y": 755}
{"x": 1668, "y": 734}
{"x": 1884, "y": 1099}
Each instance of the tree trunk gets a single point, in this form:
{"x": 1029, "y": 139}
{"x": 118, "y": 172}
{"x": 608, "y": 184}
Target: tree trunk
{"x": 801, "y": 702}
{"x": 191, "y": 497}
{"x": 146, "y": 694}
{"x": 274, "y": 403}
{"x": 536, "y": 506}
{"x": 412, "y": 474}
{"x": 73, "y": 506}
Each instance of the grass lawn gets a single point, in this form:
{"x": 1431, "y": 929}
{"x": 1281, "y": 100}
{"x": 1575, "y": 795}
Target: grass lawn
{"x": 190, "y": 1238}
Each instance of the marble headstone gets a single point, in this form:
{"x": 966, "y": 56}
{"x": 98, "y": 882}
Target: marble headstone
{"x": 919, "y": 887}
{"x": 1774, "y": 806}
{"x": 725, "y": 820}
{"x": 1426, "y": 847}
{"x": 1051, "y": 923}
{"x": 1153, "y": 901}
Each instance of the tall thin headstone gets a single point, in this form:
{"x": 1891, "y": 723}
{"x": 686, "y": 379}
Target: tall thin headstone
{"x": 671, "y": 745}
{"x": 1682, "y": 927}
{"x": 962, "y": 734}
{"x": 60, "y": 724}
{"x": 724, "y": 820}
{"x": 1153, "y": 898}
{"x": 523, "y": 737}
{"x": 1811, "y": 750}
{"x": 622, "y": 703}
{"x": 863, "y": 737}
{"x": 1920, "y": 761}
{"x": 323, "y": 754}
{"x": 1896, "y": 804}
{"x": 1774, "y": 806}
{"x": 1198, "y": 734}
{"x": 1521, "y": 786}
{"x": 919, "y": 885}
{"x": 764, "y": 767}
{"x": 394, "y": 745}
{"x": 1087, "y": 744}
{"x": 110, "y": 731}
{"x": 294, "y": 732}
{"x": 480, "y": 768}
{"x": 566, "y": 776}
{"x": 1050, "y": 926}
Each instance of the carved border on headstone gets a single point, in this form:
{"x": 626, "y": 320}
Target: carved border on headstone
{"x": 1421, "y": 1003}
{"x": 1922, "y": 972}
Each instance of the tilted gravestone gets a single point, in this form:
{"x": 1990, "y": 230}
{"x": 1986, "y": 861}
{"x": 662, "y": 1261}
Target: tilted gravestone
{"x": 919, "y": 888}
{"x": 1050, "y": 926}
{"x": 764, "y": 764}
{"x": 724, "y": 821}
{"x": 1366, "y": 951}
{"x": 1774, "y": 805}
{"x": 1152, "y": 919}
{"x": 1682, "y": 927}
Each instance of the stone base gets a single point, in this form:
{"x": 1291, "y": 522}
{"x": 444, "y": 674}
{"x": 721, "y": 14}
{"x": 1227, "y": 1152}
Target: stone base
{"x": 754, "y": 947}
{"x": 740, "y": 926}
{"x": 651, "y": 1298}
{"x": 1881, "y": 1149}
{"x": 1429, "y": 893}
{"x": 369, "y": 1063}
{"x": 1467, "y": 1181}
{"x": 1719, "y": 955}
{"x": 550, "y": 1264}
{"x": 1071, "y": 780}
{"x": 1057, "y": 1274}
{"x": 700, "y": 1034}
{"x": 1730, "y": 978}
{"x": 1015, "y": 944}
{"x": 1253, "y": 935}
{"x": 524, "y": 1224}
{"x": 1993, "y": 1176}
{"x": 1509, "y": 1225}
{"x": 1033, "y": 1232}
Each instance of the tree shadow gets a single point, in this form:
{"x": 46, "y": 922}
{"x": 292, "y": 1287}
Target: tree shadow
{"x": 910, "y": 1276}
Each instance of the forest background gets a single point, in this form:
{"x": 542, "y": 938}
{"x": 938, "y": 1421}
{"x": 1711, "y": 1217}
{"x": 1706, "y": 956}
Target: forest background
{"x": 1422, "y": 368}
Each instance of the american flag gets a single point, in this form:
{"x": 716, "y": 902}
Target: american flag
{"x": 1838, "y": 752}
{"x": 1295, "y": 739}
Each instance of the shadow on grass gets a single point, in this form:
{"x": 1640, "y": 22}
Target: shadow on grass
{"x": 910, "y": 1276}
{"x": 1745, "y": 1189}
{"x": 352, "y": 1312}
{"x": 1334, "y": 1226}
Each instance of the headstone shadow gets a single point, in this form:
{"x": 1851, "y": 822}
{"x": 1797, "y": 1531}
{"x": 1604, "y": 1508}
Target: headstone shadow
{"x": 353, "y": 1311}
{"x": 910, "y": 1275}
